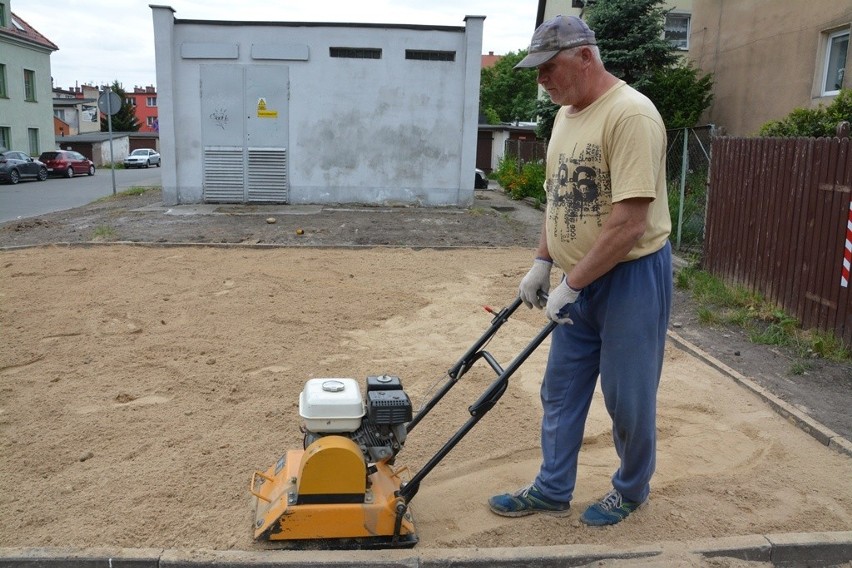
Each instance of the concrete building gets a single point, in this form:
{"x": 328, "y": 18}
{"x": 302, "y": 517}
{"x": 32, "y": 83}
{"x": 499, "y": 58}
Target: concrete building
{"x": 769, "y": 57}
{"x": 301, "y": 112}
{"x": 26, "y": 101}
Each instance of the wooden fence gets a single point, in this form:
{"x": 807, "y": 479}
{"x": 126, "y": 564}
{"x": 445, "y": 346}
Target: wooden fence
{"x": 777, "y": 217}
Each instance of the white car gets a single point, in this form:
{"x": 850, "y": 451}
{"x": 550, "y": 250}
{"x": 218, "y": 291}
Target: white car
{"x": 142, "y": 158}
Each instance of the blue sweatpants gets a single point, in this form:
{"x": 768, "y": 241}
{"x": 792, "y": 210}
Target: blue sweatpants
{"x": 619, "y": 333}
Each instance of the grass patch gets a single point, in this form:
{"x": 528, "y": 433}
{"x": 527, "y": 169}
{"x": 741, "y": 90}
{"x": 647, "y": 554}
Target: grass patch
{"x": 764, "y": 323}
{"x": 103, "y": 233}
{"x": 129, "y": 192}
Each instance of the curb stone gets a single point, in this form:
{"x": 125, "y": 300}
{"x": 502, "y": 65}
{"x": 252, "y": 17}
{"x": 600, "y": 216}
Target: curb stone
{"x": 784, "y": 550}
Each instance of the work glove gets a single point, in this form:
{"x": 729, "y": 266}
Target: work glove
{"x": 538, "y": 278}
{"x": 560, "y": 299}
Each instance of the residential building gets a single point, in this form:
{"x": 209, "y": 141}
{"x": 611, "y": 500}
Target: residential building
{"x": 144, "y": 101}
{"x": 247, "y": 112}
{"x": 489, "y": 60}
{"x": 769, "y": 57}
{"x": 76, "y": 110}
{"x": 26, "y": 102}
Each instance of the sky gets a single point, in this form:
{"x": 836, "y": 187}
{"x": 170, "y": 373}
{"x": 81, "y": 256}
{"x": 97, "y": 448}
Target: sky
{"x": 101, "y": 41}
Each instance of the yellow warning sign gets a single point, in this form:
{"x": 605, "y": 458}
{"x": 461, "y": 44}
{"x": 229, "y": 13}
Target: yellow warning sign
{"x": 263, "y": 112}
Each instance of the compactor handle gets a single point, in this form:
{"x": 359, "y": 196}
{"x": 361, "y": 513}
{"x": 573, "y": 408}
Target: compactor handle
{"x": 254, "y": 484}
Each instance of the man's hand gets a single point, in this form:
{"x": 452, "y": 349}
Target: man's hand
{"x": 538, "y": 278}
{"x": 559, "y": 299}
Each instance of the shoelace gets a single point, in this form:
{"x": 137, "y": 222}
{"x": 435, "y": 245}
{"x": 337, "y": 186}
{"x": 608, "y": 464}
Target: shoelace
{"x": 525, "y": 491}
{"x": 612, "y": 500}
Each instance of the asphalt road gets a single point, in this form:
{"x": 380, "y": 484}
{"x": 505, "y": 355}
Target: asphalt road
{"x": 32, "y": 198}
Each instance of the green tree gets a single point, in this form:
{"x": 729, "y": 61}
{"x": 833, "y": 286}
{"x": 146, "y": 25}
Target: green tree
{"x": 508, "y": 93}
{"x": 680, "y": 94}
{"x": 545, "y": 110}
{"x": 125, "y": 119}
{"x": 630, "y": 38}
{"x": 632, "y": 46}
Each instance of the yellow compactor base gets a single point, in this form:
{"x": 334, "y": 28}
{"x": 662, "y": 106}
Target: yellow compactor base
{"x": 324, "y": 492}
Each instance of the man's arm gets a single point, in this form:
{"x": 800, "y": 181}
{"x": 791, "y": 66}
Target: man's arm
{"x": 622, "y": 230}
{"x": 541, "y": 251}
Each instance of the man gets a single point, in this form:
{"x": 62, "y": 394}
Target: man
{"x": 607, "y": 226}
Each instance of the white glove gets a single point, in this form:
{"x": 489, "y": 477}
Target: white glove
{"x": 538, "y": 278}
{"x": 559, "y": 299}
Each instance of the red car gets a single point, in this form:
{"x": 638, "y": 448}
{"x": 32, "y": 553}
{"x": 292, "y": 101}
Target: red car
{"x": 67, "y": 163}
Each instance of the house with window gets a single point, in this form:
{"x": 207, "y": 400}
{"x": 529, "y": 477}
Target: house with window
{"x": 309, "y": 112}
{"x": 76, "y": 110}
{"x": 769, "y": 57}
{"x": 144, "y": 102}
{"x": 26, "y": 101}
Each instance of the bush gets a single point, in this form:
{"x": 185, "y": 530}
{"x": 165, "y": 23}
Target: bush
{"x": 521, "y": 180}
{"x": 680, "y": 94}
{"x": 812, "y": 122}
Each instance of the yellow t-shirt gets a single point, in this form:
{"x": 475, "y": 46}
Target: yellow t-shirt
{"x": 612, "y": 150}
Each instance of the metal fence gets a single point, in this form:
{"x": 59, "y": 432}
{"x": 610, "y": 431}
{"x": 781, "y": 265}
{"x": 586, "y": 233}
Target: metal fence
{"x": 524, "y": 151}
{"x": 687, "y": 170}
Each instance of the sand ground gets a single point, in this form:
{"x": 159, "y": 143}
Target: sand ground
{"x": 141, "y": 387}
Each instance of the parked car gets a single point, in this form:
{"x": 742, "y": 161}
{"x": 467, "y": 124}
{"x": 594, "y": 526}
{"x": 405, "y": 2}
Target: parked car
{"x": 481, "y": 180}
{"x": 67, "y": 163}
{"x": 15, "y": 166}
{"x": 142, "y": 158}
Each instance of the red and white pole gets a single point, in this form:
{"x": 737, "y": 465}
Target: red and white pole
{"x": 847, "y": 252}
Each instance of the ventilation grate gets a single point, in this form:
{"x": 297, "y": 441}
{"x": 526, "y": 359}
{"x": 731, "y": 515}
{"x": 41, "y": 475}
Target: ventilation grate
{"x": 267, "y": 175}
{"x": 224, "y": 179}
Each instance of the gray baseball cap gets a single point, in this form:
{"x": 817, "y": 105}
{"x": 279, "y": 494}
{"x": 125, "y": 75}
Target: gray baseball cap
{"x": 554, "y": 35}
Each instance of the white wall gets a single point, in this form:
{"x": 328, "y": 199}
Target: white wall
{"x": 381, "y": 131}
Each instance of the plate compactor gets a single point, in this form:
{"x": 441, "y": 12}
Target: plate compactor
{"x": 342, "y": 489}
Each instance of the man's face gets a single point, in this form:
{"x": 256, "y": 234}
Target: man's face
{"x": 560, "y": 77}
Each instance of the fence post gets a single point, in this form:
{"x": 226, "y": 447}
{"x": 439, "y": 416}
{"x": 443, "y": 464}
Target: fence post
{"x": 683, "y": 168}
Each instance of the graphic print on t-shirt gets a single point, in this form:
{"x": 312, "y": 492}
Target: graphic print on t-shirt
{"x": 576, "y": 189}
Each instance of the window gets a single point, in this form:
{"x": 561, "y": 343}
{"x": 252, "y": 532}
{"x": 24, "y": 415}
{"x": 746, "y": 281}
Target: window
{"x": 355, "y": 52}
{"x": 677, "y": 30}
{"x": 150, "y": 121}
{"x": 835, "y": 62}
{"x": 32, "y": 135}
{"x": 3, "y": 93}
{"x": 130, "y": 101}
{"x": 430, "y": 55}
{"x": 29, "y": 85}
{"x": 151, "y": 101}
{"x": 5, "y": 137}
{"x": 2, "y": 14}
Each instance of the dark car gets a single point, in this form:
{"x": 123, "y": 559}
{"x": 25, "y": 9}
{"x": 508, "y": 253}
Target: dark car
{"x": 15, "y": 166}
{"x": 481, "y": 180}
{"x": 67, "y": 163}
